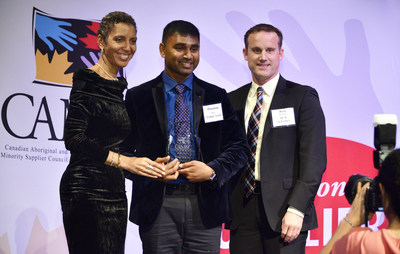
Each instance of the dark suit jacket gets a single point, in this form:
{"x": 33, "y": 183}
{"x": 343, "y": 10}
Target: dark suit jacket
{"x": 292, "y": 159}
{"x": 223, "y": 147}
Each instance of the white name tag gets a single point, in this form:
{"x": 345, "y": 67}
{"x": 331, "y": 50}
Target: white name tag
{"x": 283, "y": 117}
{"x": 213, "y": 113}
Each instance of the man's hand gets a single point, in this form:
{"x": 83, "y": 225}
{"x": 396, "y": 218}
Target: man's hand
{"x": 195, "y": 171}
{"x": 291, "y": 226}
{"x": 171, "y": 169}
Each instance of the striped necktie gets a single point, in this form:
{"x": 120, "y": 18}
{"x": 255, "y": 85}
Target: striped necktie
{"x": 252, "y": 136}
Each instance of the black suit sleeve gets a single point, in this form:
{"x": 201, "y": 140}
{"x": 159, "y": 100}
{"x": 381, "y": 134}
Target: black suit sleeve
{"x": 235, "y": 151}
{"x": 312, "y": 151}
{"x": 127, "y": 147}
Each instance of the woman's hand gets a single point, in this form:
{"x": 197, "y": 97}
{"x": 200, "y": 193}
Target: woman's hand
{"x": 356, "y": 214}
{"x": 142, "y": 166}
{"x": 355, "y": 217}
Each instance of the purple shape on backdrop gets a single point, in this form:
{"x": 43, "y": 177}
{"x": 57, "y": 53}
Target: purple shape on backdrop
{"x": 348, "y": 100}
{"x": 90, "y": 62}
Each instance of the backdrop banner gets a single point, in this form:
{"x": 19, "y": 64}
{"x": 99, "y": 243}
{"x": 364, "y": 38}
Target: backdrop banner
{"x": 347, "y": 50}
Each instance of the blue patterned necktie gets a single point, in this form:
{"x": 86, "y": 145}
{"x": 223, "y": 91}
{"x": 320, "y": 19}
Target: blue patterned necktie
{"x": 252, "y": 136}
{"x": 183, "y": 144}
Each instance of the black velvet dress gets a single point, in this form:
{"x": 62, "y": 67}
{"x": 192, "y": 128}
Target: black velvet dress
{"x": 92, "y": 194}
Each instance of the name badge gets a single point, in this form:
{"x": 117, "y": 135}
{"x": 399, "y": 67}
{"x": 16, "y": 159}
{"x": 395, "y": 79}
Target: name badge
{"x": 213, "y": 113}
{"x": 283, "y": 117}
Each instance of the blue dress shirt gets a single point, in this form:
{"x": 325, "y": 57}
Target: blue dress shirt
{"x": 170, "y": 97}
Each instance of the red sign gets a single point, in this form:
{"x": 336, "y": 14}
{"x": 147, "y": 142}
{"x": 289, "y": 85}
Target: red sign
{"x": 345, "y": 158}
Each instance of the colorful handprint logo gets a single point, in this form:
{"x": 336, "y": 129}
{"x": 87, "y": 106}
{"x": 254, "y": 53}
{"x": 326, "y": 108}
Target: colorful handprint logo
{"x": 63, "y": 46}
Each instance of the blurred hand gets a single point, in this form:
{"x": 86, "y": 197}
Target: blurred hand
{"x": 94, "y": 58}
{"x": 90, "y": 62}
{"x": 195, "y": 171}
{"x": 291, "y": 226}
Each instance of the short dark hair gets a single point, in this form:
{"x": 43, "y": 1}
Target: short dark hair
{"x": 265, "y": 28}
{"x": 181, "y": 27}
{"x": 112, "y": 18}
{"x": 389, "y": 176}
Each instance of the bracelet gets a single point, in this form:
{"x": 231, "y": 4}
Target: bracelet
{"x": 112, "y": 160}
{"x": 347, "y": 220}
{"x": 119, "y": 160}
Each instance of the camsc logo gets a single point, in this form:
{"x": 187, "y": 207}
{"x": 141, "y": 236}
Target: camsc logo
{"x": 63, "y": 46}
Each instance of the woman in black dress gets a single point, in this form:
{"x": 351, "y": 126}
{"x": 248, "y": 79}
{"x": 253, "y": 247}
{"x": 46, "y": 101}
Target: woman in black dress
{"x": 92, "y": 188}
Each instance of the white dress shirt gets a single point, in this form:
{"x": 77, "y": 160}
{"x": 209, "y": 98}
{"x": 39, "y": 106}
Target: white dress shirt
{"x": 268, "y": 93}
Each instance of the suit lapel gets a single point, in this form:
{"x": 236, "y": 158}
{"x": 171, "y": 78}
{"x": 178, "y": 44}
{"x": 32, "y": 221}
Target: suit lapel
{"x": 279, "y": 97}
{"x": 242, "y": 106}
{"x": 198, "y": 100}
{"x": 159, "y": 103}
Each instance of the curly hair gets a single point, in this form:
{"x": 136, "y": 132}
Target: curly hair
{"x": 112, "y": 18}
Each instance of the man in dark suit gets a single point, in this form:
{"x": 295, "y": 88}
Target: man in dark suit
{"x": 272, "y": 201}
{"x": 177, "y": 116}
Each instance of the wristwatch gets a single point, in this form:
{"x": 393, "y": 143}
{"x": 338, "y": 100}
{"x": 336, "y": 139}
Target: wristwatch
{"x": 213, "y": 176}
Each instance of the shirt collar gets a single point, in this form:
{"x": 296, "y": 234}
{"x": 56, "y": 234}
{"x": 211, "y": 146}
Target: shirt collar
{"x": 268, "y": 88}
{"x": 170, "y": 83}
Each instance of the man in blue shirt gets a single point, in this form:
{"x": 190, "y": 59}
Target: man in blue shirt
{"x": 178, "y": 117}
